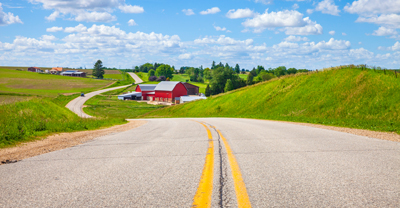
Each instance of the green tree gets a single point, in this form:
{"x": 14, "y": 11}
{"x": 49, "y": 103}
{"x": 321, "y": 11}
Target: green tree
{"x": 164, "y": 70}
{"x": 292, "y": 71}
{"x": 208, "y": 91}
{"x": 98, "y": 69}
{"x": 213, "y": 65}
{"x": 152, "y": 72}
{"x": 228, "y": 86}
{"x": 280, "y": 71}
{"x": 207, "y": 73}
{"x": 220, "y": 75}
{"x": 237, "y": 69}
{"x": 249, "y": 80}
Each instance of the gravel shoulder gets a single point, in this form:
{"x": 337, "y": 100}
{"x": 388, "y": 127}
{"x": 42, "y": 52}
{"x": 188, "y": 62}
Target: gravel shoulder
{"x": 60, "y": 141}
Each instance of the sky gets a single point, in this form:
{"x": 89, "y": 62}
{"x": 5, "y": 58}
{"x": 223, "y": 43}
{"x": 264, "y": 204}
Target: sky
{"x": 303, "y": 34}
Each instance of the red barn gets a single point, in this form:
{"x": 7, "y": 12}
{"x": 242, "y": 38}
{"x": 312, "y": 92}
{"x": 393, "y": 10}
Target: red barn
{"x": 34, "y": 69}
{"x": 167, "y": 91}
{"x": 192, "y": 89}
{"x": 147, "y": 90}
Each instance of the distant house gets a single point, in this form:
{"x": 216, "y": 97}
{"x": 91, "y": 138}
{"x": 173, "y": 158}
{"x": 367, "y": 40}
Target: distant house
{"x": 56, "y": 70}
{"x": 192, "y": 89}
{"x": 147, "y": 90}
{"x": 34, "y": 69}
{"x": 73, "y": 73}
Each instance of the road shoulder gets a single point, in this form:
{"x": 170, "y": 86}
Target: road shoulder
{"x": 60, "y": 141}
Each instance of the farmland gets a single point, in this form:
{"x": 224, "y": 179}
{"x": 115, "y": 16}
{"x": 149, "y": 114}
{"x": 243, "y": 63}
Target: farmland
{"x": 346, "y": 97}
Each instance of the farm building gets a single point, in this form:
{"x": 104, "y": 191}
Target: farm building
{"x": 34, "y": 69}
{"x": 192, "y": 89}
{"x": 56, "y": 70}
{"x": 146, "y": 90}
{"x": 167, "y": 91}
{"x": 184, "y": 99}
{"x": 73, "y": 73}
{"x": 130, "y": 96}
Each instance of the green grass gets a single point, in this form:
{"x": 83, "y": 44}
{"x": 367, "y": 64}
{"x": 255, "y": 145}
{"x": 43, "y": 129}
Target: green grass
{"x": 45, "y": 85}
{"x": 346, "y": 97}
{"x": 126, "y": 79}
{"x": 180, "y": 77}
{"x": 243, "y": 76}
{"x": 113, "y": 76}
{"x": 29, "y": 120}
{"x": 108, "y": 105}
{"x": 143, "y": 75}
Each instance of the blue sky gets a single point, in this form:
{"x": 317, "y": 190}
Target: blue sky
{"x": 292, "y": 33}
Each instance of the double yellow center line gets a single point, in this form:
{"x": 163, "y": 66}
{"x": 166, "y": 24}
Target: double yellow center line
{"x": 203, "y": 195}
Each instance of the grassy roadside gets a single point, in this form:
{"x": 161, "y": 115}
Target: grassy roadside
{"x": 347, "y": 97}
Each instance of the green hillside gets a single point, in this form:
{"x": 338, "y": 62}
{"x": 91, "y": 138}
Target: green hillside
{"x": 348, "y": 97}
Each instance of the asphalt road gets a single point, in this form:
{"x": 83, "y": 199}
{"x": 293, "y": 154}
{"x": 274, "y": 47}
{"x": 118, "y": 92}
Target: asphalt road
{"x": 166, "y": 161}
{"x": 76, "y": 105}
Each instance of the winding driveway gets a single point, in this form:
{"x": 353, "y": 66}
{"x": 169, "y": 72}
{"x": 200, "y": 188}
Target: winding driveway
{"x": 76, "y": 105}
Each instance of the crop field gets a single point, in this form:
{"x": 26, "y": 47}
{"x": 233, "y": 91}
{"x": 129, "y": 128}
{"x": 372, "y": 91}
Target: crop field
{"x": 16, "y": 83}
{"x": 346, "y": 97}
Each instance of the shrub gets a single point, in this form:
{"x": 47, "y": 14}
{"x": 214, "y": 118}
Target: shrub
{"x": 152, "y": 78}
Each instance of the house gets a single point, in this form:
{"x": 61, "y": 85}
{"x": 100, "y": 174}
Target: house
{"x": 34, "y": 69}
{"x": 167, "y": 91}
{"x": 73, "y": 73}
{"x": 147, "y": 90}
{"x": 192, "y": 89}
{"x": 56, "y": 70}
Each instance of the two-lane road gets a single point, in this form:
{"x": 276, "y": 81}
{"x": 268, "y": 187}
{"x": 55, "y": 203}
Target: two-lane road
{"x": 169, "y": 163}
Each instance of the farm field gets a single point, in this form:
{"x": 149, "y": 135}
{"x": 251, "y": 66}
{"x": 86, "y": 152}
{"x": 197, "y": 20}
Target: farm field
{"x": 346, "y": 97}
{"x": 46, "y": 85}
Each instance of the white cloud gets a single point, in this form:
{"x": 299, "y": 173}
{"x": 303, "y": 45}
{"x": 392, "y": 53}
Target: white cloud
{"x": 332, "y": 32}
{"x": 333, "y": 44}
{"x": 295, "y": 6}
{"x": 383, "y": 31}
{"x": 217, "y": 28}
{"x": 53, "y": 16}
{"x": 213, "y": 10}
{"x": 361, "y": 53}
{"x": 395, "y": 47}
{"x": 327, "y": 7}
{"x": 68, "y": 6}
{"x": 185, "y": 56}
{"x": 48, "y": 37}
{"x": 368, "y": 7}
{"x": 310, "y": 11}
{"x": 223, "y": 40}
{"x": 391, "y": 20}
{"x": 131, "y": 9}
{"x": 8, "y": 18}
{"x": 284, "y": 18}
{"x": 344, "y": 34}
{"x": 95, "y": 17}
{"x": 54, "y": 29}
{"x": 188, "y": 12}
{"x": 77, "y": 29}
{"x": 312, "y": 28}
{"x": 296, "y": 38}
{"x": 131, "y": 22}
{"x": 263, "y": 1}
{"x": 240, "y": 13}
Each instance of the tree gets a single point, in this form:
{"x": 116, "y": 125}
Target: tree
{"x": 220, "y": 75}
{"x": 208, "y": 91}
{"x": 152, "y": 73}
{"x": 249, "y": 80}
{"x": 182, "y": 70}
{"x": 98, "y": 70}
{"x": 228, "y": 86}
{"x": 207, "y": 73}
{"x": 237, "y": 69}
{"x": 213, "y": 65}
{"x": 292, "y": 71}
{"x": 280, "y": 71}
{"x": 164, "y": 70}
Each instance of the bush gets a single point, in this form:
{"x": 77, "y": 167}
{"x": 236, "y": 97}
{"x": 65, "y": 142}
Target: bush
{"x": 152, "y": 78}
{"x": 161, "y": 78}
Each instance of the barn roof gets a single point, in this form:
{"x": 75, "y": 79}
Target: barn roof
{"x": 166, "y": 86}
{"x": 57, "y": 68}
{"x": 147, "y": 87}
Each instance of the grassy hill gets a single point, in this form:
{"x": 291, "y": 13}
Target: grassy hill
{"x": 348, "y": 97}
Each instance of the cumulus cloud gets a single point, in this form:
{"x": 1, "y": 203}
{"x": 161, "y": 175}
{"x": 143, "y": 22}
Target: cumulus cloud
{"x": 185, "y": 56}
{"x": 312, "y": 28}
{"x": 373, "y": 7}
{"x": 344, "y": 34}
{"x": 95, "y": 17}
{"x": 390, "y": 20}
{"x": 332, "y": 32}
{"x": 213, "y": 10}
{"x": 295, "y": 6}
{"x": 131, "y": 22}
{"x": 384, "y": 31}
{"x": 395, "y": 47}
{"x": 188, "y": 12}
{"x": 54, "y": 29}
{"x": 327, "y": 7}
{"x": 131, "y": 9}
{"x": 361, "y": 53}
{"x": 293, "y": 38}
{"x": 240, "y": 13}
{"x": 48, "y": 37}
{"x": 263, "y": 1}
{"x": 8, "y": 18}
{"x": 53, "y": 16}
{"x": 217, "y": 28}
{"x": 77, "y": 29}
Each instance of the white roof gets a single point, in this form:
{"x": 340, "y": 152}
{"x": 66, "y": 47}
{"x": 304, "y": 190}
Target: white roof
{"x": 137, "y": 94}
{"x": 166, "y": 86}
{"x": 147, "y": 87}
{"x": 191, "y": 98}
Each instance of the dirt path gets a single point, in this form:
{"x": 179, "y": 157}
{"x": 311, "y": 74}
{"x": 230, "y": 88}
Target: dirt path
{"x": 59, "y": 141}
{"x": 136, "y": 78}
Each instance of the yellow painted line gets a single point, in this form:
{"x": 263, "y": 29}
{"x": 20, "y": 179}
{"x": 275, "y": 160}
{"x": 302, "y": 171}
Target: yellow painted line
{"x": 240, "y": 187}
{"x": 204, "y": 191}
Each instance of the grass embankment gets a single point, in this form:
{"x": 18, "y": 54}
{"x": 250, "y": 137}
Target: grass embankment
{"x": 29, "y": 120}
{"x": 108, "y": 105}
{"x": 347, "y": 97}
{"x": 125, "y": 79}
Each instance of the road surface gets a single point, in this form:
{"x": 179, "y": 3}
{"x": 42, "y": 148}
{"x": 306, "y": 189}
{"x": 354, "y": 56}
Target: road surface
{"x": 76, "y": 105}
{"x": 186, "y": 162}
